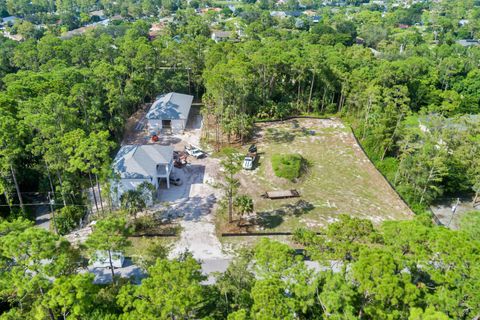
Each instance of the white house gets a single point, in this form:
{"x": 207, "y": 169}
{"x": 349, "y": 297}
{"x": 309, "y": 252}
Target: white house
{"x": 8, "y": 20}
{"x": 135, "y": 164}
{"x": 100, "y": 259}
{"x": 219, "y": 36}
{"x": 170, "y": 111}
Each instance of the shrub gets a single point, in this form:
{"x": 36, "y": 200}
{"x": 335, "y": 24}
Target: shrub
{"x": 144, "y": 223}
{"x": 304, "y": 236}
{"x": 66, "y": 219}
{"x": 288, "y": 166}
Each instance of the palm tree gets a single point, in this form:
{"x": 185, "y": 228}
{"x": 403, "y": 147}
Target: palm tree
{"x": 133, "y": 202}
{"x": 243, "y": 204}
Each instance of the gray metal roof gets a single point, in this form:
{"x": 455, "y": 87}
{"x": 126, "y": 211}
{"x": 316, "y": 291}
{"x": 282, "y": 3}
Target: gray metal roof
{"x": 140, "y": 161}
{"x": 468, "y": 42}
{"x": 170, "y": 106}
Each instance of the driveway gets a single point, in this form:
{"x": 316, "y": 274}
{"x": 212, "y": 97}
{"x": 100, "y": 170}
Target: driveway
{"x": 193, "y": 203}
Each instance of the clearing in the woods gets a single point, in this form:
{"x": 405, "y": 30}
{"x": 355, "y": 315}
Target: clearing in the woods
{"x": 338, "y": 178}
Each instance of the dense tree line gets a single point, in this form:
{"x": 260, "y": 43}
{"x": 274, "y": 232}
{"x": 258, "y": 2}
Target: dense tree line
{"x": 412, "y": 105}
{"x": 413, "y": 102}
{"x": 404, "y": 270}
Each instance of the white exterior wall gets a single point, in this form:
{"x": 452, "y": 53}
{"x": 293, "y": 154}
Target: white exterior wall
{"x": 178, "y": 125}
{"x": 156, "y": 125}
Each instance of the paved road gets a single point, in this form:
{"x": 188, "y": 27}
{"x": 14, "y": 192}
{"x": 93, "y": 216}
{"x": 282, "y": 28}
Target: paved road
{"x": 210, "y": 268}
{"x": 42, "y": 217}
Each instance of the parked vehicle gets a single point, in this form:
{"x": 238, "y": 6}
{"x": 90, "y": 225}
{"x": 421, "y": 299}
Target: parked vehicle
{"x": 175, "y": 181}
{"x": 180, "y": 159}
{"x": 194, "y": 152}
{"x": 249, "y": 160}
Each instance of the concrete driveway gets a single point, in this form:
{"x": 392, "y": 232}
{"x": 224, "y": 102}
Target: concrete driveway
{"x": 193, "y": 203}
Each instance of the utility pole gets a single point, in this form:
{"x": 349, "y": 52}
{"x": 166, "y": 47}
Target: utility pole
{"x": 454, "y": 210}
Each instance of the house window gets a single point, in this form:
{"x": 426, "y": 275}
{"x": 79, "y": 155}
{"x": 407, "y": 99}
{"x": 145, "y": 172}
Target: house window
{"x": 167, "y": 124}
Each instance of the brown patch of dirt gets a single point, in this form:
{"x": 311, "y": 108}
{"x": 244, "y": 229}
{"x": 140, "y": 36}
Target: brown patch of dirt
{"x": 131, "y": 135}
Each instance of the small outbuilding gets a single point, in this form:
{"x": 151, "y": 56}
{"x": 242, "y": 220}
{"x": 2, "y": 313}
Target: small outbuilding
{"x": 135, "y": 164}
{"x": 169, "y": 112}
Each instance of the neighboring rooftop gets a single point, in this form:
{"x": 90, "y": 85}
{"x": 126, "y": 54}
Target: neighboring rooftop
{"x": 9, "y": 19}
{"x": 140, "y": 161}
{"x": 221, "y": 34}
{"x": 170, "y": 106}
{"x": 468, "y": 42}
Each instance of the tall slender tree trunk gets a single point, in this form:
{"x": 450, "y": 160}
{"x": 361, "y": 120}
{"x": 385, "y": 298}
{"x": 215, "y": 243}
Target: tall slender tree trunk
{"x": 298, "y": 92}
{"x": 61, "y": 187}
{"x": 189, "y": 81}
{"x": 17, "y": 187}
{"x": 230, "y": 200}
{"x": 49, "y": 178}
{"x": 323, "y": 98}
{"x": 7, "y": 198}
{"x": 424, "y": 190}
{"x": 230, "y": 207}
{"x": 311, "y": 90}
{"x": 367, "y": 116}
{"x": 392, "y": 137}
{"x": 93, "y": 190}
{"x": 111, "y": 266}
{"x": 50, "y": 312}
{"x": 52, "y": 212}
{"x": 99, "y": 192}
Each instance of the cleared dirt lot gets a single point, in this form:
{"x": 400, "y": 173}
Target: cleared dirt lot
{"x": 339, "y": 179}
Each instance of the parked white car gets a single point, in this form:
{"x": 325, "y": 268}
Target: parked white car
{"x": 194, "y": 152}
{"x": 250, "y": 158}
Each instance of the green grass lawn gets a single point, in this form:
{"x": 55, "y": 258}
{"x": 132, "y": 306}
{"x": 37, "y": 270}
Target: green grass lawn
{"x": 141, "y": 245}
{"x": 339, "y": 178}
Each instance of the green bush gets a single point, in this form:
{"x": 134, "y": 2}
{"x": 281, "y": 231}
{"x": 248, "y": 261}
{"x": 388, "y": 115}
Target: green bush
{"x": 288, "y": 166}
{"x": 304, "y": 236}
{"x": 67, "y": 218}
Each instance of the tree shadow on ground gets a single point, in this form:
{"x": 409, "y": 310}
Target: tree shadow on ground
{"x": 279, "y": 135}
{"x": 274, "y": 218}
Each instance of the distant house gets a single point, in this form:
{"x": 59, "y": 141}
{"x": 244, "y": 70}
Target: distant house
{"x": 359, "y": 40}
{"x": 135, "y": 164}
{"x": 285, "y": 14}
{"x": 467, "y": 42}
{"x": 170, "y": 111}
{"x": 278, "y": 14}
{"x": 9, "y": 20}
{"x": 219, "y": 36}
{"x": 214, "y": 9}
{"x": 294, "y": 14}
{"x": 98, "y": 13}
{"x": 316, "y": 19}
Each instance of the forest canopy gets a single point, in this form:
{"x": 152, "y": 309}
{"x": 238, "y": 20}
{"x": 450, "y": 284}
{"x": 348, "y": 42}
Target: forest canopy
{"x": 399, "y": 76}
